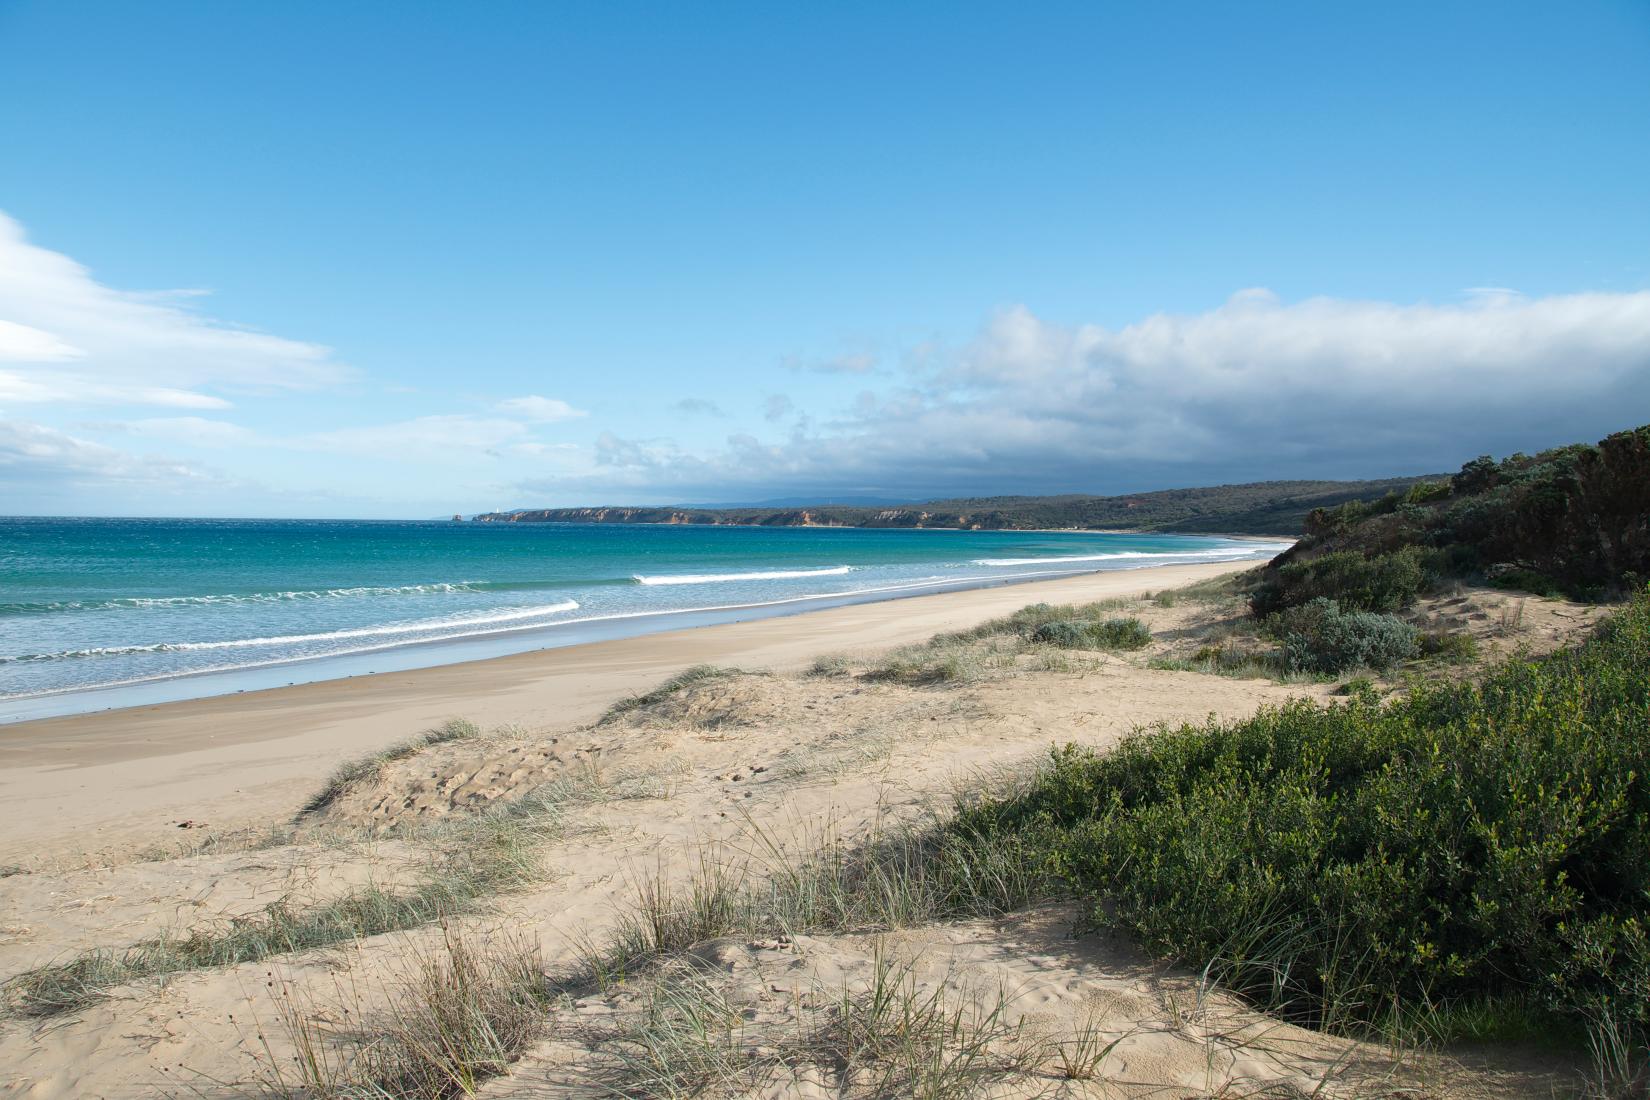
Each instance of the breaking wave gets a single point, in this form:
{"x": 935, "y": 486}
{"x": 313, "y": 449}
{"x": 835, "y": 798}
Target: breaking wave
{"x": 1225, "y": 552}
{"x": 719, "y": 578}
{"x": 464, "y": 622}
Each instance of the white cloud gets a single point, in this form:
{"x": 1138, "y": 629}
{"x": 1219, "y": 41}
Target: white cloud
{"x": 697, "y": 406}
{"x": 1255, "y": 388}
{"x": 542, "y": 410}
{"x": 776, "y": 407}
{"x": 192, "y": 430}
{"x": 422, "y": 439}
{"x": 78, "y": 341}
{"x": 23, "y": 344}
{"x": 859, "y": 362}
{"x": 33, "y": 456}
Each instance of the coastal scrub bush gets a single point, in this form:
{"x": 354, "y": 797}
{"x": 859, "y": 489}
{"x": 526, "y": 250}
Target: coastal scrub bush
{"x": 1087, "y": 634}
{"x": 1464, "y": 848}
{"x": 1382, "y": 582}
{"x": 1322, "y": 637}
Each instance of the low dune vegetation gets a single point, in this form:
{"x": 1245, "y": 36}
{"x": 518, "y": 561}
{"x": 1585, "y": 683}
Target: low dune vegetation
{"x": 1465, "y": 861}
{"x": 1573, "y": 520}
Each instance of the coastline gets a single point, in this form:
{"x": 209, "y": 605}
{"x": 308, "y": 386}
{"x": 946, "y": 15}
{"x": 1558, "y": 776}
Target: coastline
{"x": 505, "y": 640}
{"x": 127, "y": 777}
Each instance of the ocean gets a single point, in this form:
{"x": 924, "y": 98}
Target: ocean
{"x": 206, "y": 606}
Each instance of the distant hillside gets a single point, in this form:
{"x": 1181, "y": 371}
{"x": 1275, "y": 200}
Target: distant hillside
{"x": 1256, "y": 508}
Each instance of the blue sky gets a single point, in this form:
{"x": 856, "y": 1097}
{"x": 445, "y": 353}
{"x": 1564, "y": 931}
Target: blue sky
{"x": 410, "y": 259}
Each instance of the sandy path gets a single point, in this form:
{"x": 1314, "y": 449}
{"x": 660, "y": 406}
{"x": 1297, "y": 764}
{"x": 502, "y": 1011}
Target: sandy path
{"x": 79, "y": 786}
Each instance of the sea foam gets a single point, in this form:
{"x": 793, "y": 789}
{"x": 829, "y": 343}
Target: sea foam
{"x": 1229, "y": 552}
{"x": 466, "y": 622}
{"x": 719, "y": 578}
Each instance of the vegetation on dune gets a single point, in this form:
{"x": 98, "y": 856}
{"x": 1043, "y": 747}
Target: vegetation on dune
{"x": 965, "y": 655}
{"x": 1573, "y": 520}
{"x": 355, "y": 772}
{"x": 1257, "y": 508}
{"x": 698, "y": 674}
{"x": 1469, "y": 855}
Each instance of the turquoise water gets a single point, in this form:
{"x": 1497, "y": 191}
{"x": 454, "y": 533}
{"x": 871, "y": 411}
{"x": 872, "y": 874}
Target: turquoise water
{"x": 90, "y": 603}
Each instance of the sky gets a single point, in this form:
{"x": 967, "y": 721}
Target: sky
{"x": 414, "y": 259}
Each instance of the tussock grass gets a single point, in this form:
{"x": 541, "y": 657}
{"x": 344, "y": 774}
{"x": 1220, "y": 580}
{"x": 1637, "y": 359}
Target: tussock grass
{"x": 475, "y": 856}
{"x": 885, "y": 1037}
{"x": 478, "y": 857}
{"x": 462, "y": 1014}
{"x": 905, "y": 875}
{"x": 683, "y": 680}
{"x": 371, "y": 767}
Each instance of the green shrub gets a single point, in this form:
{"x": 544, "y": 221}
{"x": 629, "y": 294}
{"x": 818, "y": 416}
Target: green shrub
{"x": 1085, "y": 634}
{"x": 1463, "y": 845}
{"x": 1571, "y": 520}
{"x": 1449, "y": 646}
{"x": 1526, "y": 580}
{"x": 1383, "y": 582}
{"x": 1321, "y": 637}
{"x": 1426, "y": 492}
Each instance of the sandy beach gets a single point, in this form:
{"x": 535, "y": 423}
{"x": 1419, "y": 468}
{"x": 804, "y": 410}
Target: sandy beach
{"x": 778, "y": 752}
{"x": 86, "y": 784}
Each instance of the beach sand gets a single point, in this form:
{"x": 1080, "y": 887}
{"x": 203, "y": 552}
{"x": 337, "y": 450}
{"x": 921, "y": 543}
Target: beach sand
{"x": 104, "y": 783}
{"x": 774, "y": 759}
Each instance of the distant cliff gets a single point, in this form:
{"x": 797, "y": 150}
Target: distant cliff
{"x": 1257, "y": 508}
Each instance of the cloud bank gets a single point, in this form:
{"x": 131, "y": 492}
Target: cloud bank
{"x": 1255, "y": 388}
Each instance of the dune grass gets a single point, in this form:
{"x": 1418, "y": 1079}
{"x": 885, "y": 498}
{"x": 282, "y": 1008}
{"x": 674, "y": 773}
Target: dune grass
{"x": 997, "y": 645}
{"x": 461, "y": 1014}
{"x": 370, "y": 767}
{"x": 891, "y": 1038}
{"x": 487, "y": 857}
{"x": 698, "y": 674}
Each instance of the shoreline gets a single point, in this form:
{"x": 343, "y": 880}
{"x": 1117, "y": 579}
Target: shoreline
{"x": 127, "y": 777}
{"x": 482, "y": 645}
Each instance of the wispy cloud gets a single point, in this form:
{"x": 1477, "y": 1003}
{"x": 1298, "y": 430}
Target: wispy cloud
{"x": 542, "y": 410}
{"x": 67, "y": 338}
{"x": 858, "y": 362}
{"x": 697, "y": 406}
{"x": 33, "y": 457}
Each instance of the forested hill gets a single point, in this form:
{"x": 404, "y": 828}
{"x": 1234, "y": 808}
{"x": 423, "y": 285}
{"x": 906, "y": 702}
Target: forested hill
{"x": 1257, "y": 508}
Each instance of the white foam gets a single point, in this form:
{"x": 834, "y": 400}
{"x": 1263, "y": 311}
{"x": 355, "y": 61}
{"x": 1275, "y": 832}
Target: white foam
{"x": 249, "y": 597}
{"x": 720, "y": 578}
{"x": 1224, "y": 552}
{"x": 423, "y": 626}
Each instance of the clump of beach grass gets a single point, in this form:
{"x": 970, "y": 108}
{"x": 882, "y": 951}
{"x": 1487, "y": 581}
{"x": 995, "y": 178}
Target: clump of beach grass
{"x": 463, "y": 1013}
{"x": 370, "y": 767}
{"x": 479, "y": 857}
{"x": 887, "y": 1036}
{"x": 698, "y": 674}
{"x": 904, "y": 875}
{"x": 964, "y": 656}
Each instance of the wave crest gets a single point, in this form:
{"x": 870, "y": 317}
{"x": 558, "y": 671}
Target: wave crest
{"x": 719, "y": 578}
{"x": 1226, "y": 552}
{"x": 242, "y": 597}
{"x": 391, "y": 630}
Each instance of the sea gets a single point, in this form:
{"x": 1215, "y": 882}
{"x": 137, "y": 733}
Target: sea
{"x": 97, "y": 613}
